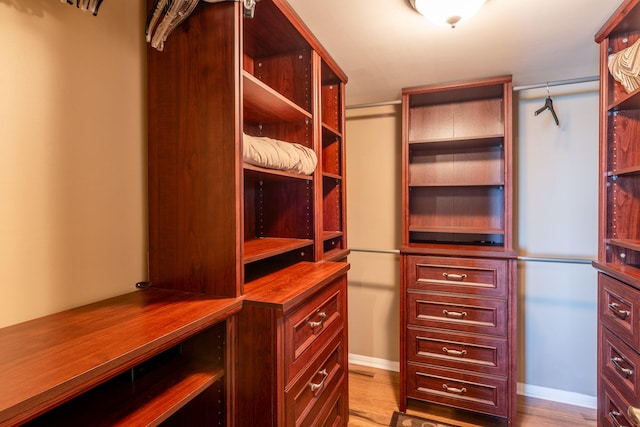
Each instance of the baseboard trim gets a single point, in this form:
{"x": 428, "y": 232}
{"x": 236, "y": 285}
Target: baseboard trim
{"x": 528, "y": 390}
{"x": 373, "y": 362}
{"x": 561, "y": 396}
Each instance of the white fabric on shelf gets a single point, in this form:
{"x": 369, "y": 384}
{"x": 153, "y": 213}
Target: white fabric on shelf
{"x": 275, "y": 154}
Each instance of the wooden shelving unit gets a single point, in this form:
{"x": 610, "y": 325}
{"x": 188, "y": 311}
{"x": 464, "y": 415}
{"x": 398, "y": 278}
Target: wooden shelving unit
{"x": 245, "y": 320}
{"x": 458, "y": 267}
{"x": 136, "y": 359}
{"x": 619, "y": 226}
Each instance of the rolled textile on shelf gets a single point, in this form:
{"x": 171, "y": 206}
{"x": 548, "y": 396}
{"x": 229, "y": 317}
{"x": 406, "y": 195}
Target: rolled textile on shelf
{"x": 275, "y": 154}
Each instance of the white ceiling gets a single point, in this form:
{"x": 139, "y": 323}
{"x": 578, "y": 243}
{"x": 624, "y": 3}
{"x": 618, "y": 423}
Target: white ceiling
{"x": 384, "y": 45}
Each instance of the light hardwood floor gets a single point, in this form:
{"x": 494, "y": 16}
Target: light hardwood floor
{"x": 373, "y": 396}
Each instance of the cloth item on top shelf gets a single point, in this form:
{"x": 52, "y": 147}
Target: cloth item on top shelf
{"x": 275, "y": 154}
{"x": 624, "y": 66}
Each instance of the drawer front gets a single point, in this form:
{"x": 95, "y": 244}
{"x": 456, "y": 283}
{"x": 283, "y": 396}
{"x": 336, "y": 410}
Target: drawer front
{"x": 618, "y": 306}
{"x": 612, "y": 408}
{"x": 334, "y": 413}
{"x": 307, "y": 396}
{"x": 458, "y": 389}
{"x": 309, "y": 326}
{"x": 619, "y": 363}
{"x": 458, "y": 275}
{"x": 482, "y": 316}
{"x": 486, "y": 355}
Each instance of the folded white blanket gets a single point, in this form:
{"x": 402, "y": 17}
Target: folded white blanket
{"x": 275, "y": 154}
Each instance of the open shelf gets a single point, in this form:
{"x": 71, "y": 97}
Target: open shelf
{"x": 276, "y": 172}
{"x": 456, "y": 150}
{"x": 451, "y": 144}
{"x": 624, "y": 243}
{"x": 635, "y": 170}
{"x": 124, "y": 403}
{"x": 89, "y": 351}
{"x": 266, "y": 247}
{"x": 330, "y": 130}
{"x": 628, "y": 101}
{"x": 264, "y": 104}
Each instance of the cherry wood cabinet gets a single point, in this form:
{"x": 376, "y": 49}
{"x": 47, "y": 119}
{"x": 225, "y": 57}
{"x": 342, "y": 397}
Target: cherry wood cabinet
{"x": 458, "y": 267}
{"x": 618, "y": 261}
{"x": 299, "y": 376}
{"x": 222, "y": 226}
{"x": 244, "y": 321}
{"x": 142, "y": 358}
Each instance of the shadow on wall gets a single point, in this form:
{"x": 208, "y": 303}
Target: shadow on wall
{"x": 32, "y": 7}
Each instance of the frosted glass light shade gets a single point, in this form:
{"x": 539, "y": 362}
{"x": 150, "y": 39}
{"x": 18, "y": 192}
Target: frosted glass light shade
{"x": 447, "y": 12}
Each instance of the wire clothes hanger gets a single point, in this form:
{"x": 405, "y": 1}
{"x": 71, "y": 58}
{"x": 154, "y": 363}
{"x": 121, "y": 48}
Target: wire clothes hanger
{"x": 548, "y": 105}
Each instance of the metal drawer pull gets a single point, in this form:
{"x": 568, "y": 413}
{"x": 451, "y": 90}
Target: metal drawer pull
{"x": 458, "y": 353}
{"x": 322, "y": 316}
{"x": 454, "y": 276}
{"x": 455, "y": 314}
{"x": 623, "y": 314}
{"x": 616, "y": 362}
{"x": 314, "y": 387}
{"x": 614, "y": 417}
{"x": 454, "y": 390}
{"x": 634, "y": 414}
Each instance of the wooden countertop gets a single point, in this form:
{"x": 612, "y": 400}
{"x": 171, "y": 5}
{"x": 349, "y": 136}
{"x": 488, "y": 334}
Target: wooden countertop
{"x": 47, "y": 361}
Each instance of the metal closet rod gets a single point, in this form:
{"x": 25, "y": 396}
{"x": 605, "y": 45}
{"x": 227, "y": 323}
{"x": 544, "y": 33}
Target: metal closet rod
{"x": 552, "y": 259}
{"x": 515, "y": 89}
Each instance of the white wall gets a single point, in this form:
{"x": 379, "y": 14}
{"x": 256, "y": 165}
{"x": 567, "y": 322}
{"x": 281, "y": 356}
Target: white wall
{"x": 72, "y": 155}
{"x": 374, "y": 224}
{"x": 555, "y": 217}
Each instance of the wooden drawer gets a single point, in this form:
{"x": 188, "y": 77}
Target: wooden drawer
{"x": 618, "y": 306}
{"x": 308, "y": 327}
{"x": 488, "y": 355}
{"x": 484, "y": 277}
{"x": 486, "y": 394}
{"x": 620, "y": 363}
{"x": 466, "y": 314}
{"x": 307, "y": 396}
{"x": 334, "y": 412}
{"x": 612, "y": 408}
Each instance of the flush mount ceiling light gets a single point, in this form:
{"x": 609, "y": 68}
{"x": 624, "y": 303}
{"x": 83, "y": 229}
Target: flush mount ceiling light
{"x": 447, "y": 12}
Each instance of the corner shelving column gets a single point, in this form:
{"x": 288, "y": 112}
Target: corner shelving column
{"x": 458, "y": 267}
{"x": 618, "y": 262}
{"x": 333, "y": 230}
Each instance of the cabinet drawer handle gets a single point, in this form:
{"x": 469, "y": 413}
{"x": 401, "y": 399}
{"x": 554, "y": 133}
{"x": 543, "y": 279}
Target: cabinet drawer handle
{"x": 322, "y": 316}
{"x": 614, "y": 417}
{"x": 454, "y": 314}
{"x": 634, "y": 414}
{"x": 452, "y": 276}
{"x": 316, "y": 386}
{"x": 616, "y": 362}
{"x": 454, "y": 390}
{"x": 458, "y": 353}
{"x": 623, "y": 314}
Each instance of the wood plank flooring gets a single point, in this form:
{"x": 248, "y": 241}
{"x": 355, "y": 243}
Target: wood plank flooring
{"x": 373, "y": 396}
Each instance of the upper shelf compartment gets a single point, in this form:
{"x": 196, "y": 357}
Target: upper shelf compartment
{"x": 266, "y": 105}
{"x": 277, "y": 54}
{"x": 469, "y": 119}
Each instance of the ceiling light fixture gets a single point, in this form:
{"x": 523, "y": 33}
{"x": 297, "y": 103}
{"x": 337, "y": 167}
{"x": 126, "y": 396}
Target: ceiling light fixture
{"x": 447, "y": 12}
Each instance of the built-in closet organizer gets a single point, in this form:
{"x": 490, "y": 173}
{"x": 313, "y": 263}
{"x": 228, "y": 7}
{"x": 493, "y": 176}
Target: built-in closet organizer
{"x": 458, "y": 268}
{"x": 144, "y": 358}
{"x": 225, "y": 222}
{"x": 618, "y": 261}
